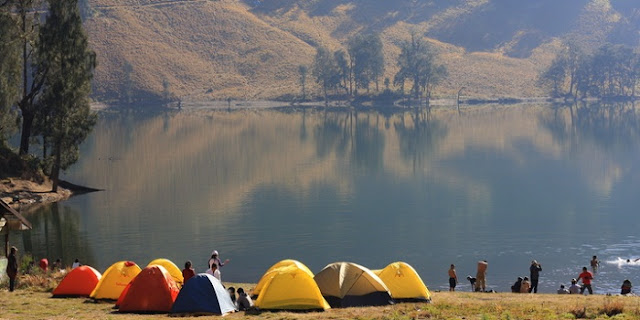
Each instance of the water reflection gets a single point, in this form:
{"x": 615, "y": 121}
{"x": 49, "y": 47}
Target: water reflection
{"x": 506, "y": 184}
{"x": 56, "y": 234}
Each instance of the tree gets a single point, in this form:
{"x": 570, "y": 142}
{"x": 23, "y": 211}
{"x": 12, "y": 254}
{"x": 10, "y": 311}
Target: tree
{"x": 303, "y": 70}
{"x": 9, "y": 72}
{"x": 65, "y": 53}
{"x": 417, "y": 64}
{"x": 31, "y": 84}
{"x": 367, "y": 59}
{"x": 343, "y": 69}
{"x": 326, "y": 71}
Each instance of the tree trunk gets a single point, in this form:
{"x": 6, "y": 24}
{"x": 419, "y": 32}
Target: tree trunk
{"x": 55, "y": 171}
{"x": 27, "y": 124}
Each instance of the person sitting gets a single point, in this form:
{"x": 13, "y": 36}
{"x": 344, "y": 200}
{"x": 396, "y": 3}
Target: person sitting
{"x": 525, "y": 286}
{"x": 515, "y": 288}
{"x": 232, "y": 294}
{"x": 75, "y": 264}
{"x": 243, "y": 302}
{"x": 563, "y": 290}
{"x": 574, "y": 288}
{"x": 626, "y": 287}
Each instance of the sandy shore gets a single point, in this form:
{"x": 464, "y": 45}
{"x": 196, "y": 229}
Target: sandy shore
{"x": 20, "y": 193}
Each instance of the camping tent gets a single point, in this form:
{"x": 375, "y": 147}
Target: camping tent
{"x": 404, "y": 283}
{"x": 203, "y": 294}
{"x": 171, "y": 267}
{"x": 115, "y": 279}
{"x": 288, "y": 262}
{"x": 152, "y": 290}
{"x": 290, "y": 288}
{"x": 80, "y": 282}
{"x": 346, "y": 284}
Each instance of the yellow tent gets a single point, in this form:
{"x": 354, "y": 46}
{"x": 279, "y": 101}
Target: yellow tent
{"x": 284, "y": 263}
{"x": 403, "y": 282}
{"x": 171, "y": 267}
{"x": 346, "y": 284}
{"x": 115, "y": 279}
{"x": 290, "y": 288}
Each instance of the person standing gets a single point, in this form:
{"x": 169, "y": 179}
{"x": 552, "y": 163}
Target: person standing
{"x": 215, "y": 272}
{"x": 481, "y": 275}
{"x": 188, "y": 272}
{"x": 534, "y": 271}
{"x": 595, "y": 263}
{"x": 12, "y": 268}
{"x": 453, "y": 278}
{"x": 586, "y": 277}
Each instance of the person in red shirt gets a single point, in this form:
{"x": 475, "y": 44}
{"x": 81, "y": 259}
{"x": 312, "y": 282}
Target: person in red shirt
{"x": 188, "y": 271}
{"x": 586, "y": 277}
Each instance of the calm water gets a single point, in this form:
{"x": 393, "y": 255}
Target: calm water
{"x": 506, "y": 184}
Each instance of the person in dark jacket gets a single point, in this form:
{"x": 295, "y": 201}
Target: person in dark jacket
{"x": 534, "y": 275}
{"x": 515, "y": 288}
{"x": 12, "y": 268}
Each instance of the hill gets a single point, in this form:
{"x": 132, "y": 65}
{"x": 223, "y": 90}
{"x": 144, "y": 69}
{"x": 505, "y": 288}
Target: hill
{"x": 251, "y": 49}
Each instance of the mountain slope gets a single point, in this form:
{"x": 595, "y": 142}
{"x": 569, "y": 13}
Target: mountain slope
{"x": 202, "y": 49}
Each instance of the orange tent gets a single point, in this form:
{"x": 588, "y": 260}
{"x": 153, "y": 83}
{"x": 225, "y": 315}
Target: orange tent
{"x": 152, "y": 290}
{"x": 80, "y": 282}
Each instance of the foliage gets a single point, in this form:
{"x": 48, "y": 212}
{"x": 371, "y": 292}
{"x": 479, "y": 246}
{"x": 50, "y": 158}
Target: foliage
{"x": 65, "y": 53}
{"x": 612, "y": 308}
{"x": 9, "y": 72}
{"x": 326, "y": 71}
{"x": 610, "y": 71}
{"x": 417, "y": 64}
{"x": 303, "y": 70}
{"x": 367, "y": 60}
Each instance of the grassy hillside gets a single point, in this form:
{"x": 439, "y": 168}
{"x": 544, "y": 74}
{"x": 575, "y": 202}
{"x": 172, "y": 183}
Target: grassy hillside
{"x": 204, "y": 49}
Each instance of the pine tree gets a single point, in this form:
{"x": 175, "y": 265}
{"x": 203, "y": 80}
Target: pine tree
{"x": 65, "y": 53}
{"x": 9, "y": 71}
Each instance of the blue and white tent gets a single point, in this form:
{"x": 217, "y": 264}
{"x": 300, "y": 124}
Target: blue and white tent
{"x": 203, "y": 294}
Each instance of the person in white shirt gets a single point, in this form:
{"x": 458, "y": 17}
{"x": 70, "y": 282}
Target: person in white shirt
{"x": 574, "y": 288}
{"x": 563, "y": 290}
{"x": 75, "y": 264}
{"x": 215, "y": 272}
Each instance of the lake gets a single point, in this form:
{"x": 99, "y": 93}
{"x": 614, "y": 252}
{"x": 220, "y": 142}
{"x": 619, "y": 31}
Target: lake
{"x": 503, "y": 183}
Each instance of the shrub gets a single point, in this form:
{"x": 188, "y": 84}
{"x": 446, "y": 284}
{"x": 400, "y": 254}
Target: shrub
{"x": 612, "y": 308}
{"x": 579, "y": 313}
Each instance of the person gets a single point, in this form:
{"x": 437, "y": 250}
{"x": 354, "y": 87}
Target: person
{"x": 472, "y": 280}
{"x": 215, "y": 272}
{"x": 57, "y": 265}
{"x": 232, "y": 294}
{"x": 626, "y": 287}
{"x": 526, "y": 285}
{"x": 595, "y": 263}
{"x": 515, "y": 288}
{"x": 534, "y": 271}
{"x": 453, "y": 278}
{"x": 75, "y": 264}
{"x": 574, "y": 288}
{"x": 12, "y": 268}
{"x": 563, "y": 290}
{"x": 586, "y": 277}
{"x": 244, "y": 301}
{"x": 44, "y": 264}
{"x": 188, "y": 272}
{"x": 481, "y": 275}
{"x": 215, "y": 259}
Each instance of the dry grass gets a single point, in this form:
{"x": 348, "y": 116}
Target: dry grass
{"x": 219, "y": 49}
{"x": 36, "y": 303}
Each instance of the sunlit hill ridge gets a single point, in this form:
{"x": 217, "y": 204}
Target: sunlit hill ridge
{"x": 203, "y": 49}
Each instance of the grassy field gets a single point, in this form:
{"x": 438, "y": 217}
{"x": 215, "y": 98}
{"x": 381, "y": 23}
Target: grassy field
{"x": 36, "y": 303}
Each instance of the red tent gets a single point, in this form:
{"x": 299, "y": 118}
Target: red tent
{"x": 80, "y": 282}
{"x": 152, "y": 290}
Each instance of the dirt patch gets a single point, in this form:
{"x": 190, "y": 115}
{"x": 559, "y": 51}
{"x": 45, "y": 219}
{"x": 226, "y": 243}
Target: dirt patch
{"x": 20, "y": 192}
